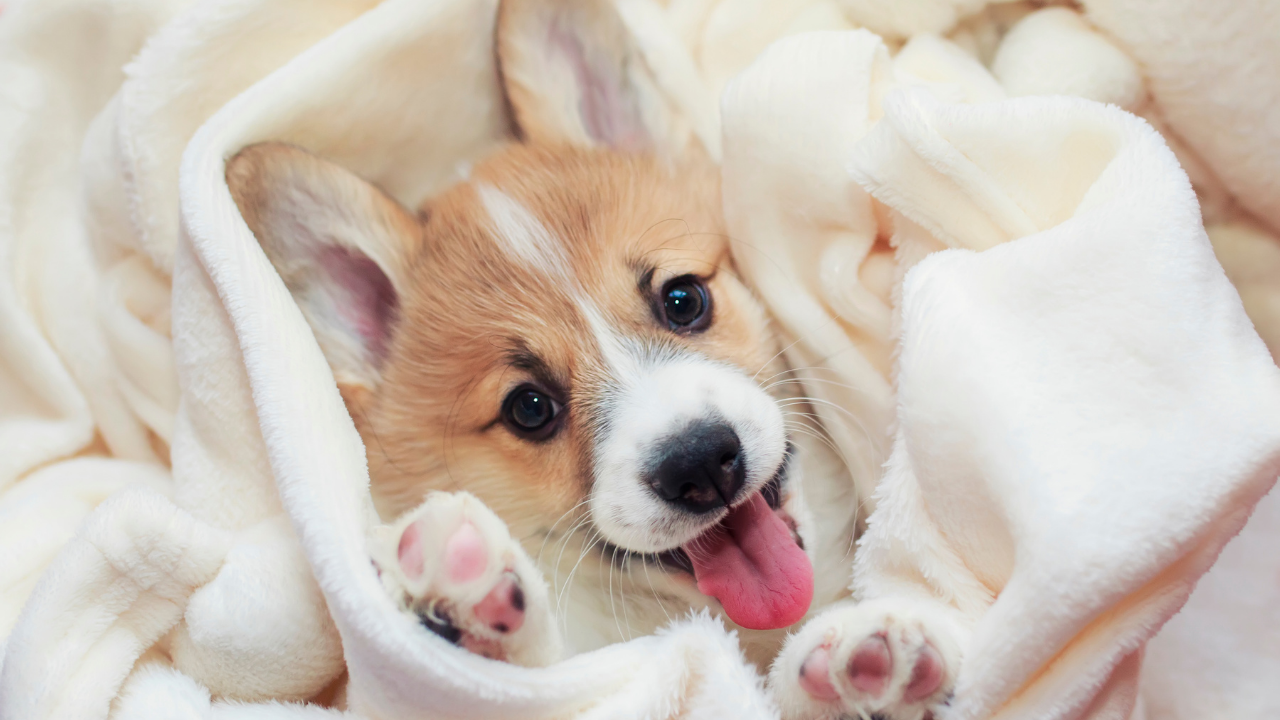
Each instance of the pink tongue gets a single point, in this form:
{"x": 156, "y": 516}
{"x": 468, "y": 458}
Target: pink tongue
{"x": 751, "y": 564}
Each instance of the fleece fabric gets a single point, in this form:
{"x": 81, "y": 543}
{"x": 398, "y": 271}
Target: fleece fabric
{"x": 183, "y": 499}
{"x": 1069, "y": 452}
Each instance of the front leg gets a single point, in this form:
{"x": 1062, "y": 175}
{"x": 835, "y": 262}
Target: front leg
{"x": 892, "y": 659}
{"x": 453, "y": 565}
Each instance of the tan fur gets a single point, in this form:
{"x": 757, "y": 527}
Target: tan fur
{"x": 433, "y": 422}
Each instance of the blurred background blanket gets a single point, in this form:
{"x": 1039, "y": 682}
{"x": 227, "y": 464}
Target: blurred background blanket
{"x": 1075, "y": 411}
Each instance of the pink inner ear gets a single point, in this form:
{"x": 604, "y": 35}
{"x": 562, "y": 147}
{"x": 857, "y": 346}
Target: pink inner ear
{"x": 610, "y": 114}
{"x": 366, "y": 301}
{"x": 410, "y": 552}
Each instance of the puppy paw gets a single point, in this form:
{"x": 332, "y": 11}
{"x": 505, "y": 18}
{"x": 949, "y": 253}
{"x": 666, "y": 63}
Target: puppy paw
{"x": 452, "y": 564}
{"x": 888, "y": 659}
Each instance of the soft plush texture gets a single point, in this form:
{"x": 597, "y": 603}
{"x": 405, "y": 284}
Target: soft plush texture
{"x": 1040, "y": 431}
{"x": 1083, "y": 465}
{"x": 148, "y": 352}
{"x": 1225, "y": 105}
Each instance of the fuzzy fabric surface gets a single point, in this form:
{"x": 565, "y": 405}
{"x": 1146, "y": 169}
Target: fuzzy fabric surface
{"x": 1009, "y": 303}
{"x": 1063, "y": 337}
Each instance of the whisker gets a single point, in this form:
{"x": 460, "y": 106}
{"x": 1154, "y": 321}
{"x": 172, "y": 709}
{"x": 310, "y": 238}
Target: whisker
{"x": 816, "y": 435}
{"x": 581, "y": 556}
{"x": 876, "y": 442}
{"x": 562, "y": 589}
{"x": 551, "y": 530}
{"x": 804, "y": 381}
{"x": 775, "y": 357}
{"x": 652, "y": 589}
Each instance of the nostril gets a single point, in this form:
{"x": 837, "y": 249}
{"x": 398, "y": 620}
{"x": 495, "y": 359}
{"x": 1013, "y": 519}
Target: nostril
{"x": 698, "y": 495}
{"x": 728, "y": 459}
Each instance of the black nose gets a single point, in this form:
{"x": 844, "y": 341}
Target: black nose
{"x": 699, "y": 469}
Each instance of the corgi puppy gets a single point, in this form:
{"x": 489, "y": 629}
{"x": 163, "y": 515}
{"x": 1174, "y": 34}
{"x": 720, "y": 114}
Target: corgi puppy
{"x": 558, "y": 355}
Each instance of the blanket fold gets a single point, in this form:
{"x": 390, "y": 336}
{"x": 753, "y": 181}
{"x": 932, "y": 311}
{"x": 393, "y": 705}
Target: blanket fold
{"x": 1008, "y": 308}
{"x": 1038, "y": 429}
{"x": 1106, "y": 412}
{"x": 112, "y": 592}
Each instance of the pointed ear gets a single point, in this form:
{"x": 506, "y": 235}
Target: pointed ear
{"x": 339, "y": 244}
{"x": 573, "y": 73}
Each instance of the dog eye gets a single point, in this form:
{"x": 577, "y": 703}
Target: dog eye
{"x": 530, "y": 412}
{"x": 684, "y": 303}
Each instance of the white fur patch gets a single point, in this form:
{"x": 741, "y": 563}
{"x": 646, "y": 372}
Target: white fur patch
{"x": 654, "y": 394}
{"x": 522, "y": 234}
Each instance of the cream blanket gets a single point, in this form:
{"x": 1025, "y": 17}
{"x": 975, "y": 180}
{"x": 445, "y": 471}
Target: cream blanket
{"x": 1085, "y": 415}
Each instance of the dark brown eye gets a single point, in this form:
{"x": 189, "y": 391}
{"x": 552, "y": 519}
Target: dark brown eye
{"x": 530, "y": 412}
{"x": 685, "y": 303}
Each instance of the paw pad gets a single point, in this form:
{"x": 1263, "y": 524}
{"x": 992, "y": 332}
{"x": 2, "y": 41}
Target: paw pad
{"x": 880, "y": 659}
{"x": 815, "y": 675}
{"x": 871, "y": 666}
{"x": 503, "y": 608}
{"x": 926, "y": 675}
{"x": 465, "y": 554}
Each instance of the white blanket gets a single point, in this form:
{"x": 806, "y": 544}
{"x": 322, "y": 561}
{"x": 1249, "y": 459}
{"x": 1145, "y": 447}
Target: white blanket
{"x": 1069, "y": 456}
{"x": 245, "y": 557}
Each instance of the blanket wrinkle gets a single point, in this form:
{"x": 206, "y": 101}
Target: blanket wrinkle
{"x": 1251, "y": 258}
{"x": 1232, "y": 617}
{"x": 1055, "y": 51}
{"x": 1225, "y": 104}
{"x": 146, "y": 343}
{"x": 58, "y": 65}
{"x": 111, "y": 593}
{"x": 970, "y": 173}
{"x": 1136, "y": 205}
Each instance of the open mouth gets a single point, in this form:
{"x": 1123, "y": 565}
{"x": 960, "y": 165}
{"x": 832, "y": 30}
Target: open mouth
{"x": 752, "y": 561}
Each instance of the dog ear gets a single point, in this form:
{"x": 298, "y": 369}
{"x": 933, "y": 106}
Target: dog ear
{"x": 339, "y": 244}
{"x": 573, "y": 73}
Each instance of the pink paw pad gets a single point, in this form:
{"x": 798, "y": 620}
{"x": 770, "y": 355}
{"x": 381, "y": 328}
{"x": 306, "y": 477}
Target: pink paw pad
{"x": 465, "y": 554}
{"x": 815, "y": 675}
{"x": 503, "y": 608}
{"x": 871, "y": 666}
{"x": 926, "y": 676}
{"x": 410, "y": 551}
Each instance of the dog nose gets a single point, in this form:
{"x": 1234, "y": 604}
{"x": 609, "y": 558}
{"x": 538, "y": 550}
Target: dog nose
{"x": 700, "y": 469}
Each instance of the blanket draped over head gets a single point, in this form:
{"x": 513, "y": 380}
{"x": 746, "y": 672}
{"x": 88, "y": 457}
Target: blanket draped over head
{"x": 1005, "y": 287}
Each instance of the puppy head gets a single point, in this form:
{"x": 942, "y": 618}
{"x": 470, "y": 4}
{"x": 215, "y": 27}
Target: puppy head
{"x": 564, "y": 327}
{"x": 563, "y": 334}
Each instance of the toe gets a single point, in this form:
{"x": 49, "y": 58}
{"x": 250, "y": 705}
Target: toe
{"x": 502, "y": 610}
{"x": 815, "y": 675}
{"x": 926, "y": 675}
{"x": 409, "y": 551}
{"x": 465, "y": 554}
{"x": 870, "y": 666}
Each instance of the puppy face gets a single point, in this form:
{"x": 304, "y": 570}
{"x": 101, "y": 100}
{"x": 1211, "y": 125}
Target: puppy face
{"x": 564, "y": 329}
{"x": 580, "y": 312}
{"x": 563, "y": 334}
